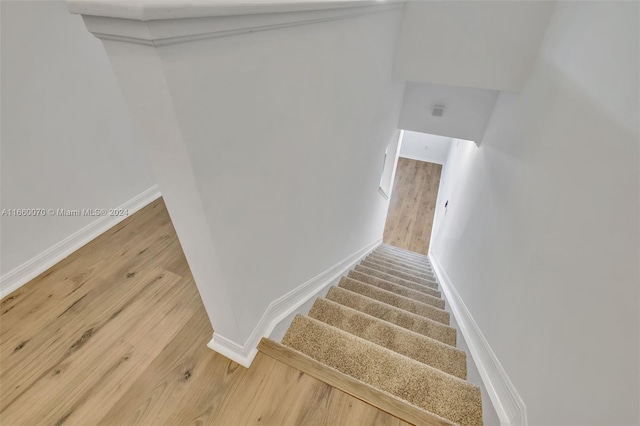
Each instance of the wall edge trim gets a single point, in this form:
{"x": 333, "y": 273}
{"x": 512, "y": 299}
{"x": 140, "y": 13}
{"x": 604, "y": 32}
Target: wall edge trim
{"x": 283, "y": 306}
{"x": 504, "y": 396}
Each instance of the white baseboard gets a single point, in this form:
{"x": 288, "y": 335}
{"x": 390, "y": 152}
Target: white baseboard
{"x": 24, "y": 273}
{"x": 284, "y": 306}
{"x": 506, "y": 400}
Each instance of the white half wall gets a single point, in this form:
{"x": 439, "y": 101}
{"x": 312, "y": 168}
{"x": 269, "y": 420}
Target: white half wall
{"x": 267, "y": 132}
{"x": 466, "y": 111}
{"x": 297, "y": 190}
{"x": 479, "y": 44}
{"x": 67, "y": 137}
{"x": 425, "y": 147}
{"x": 541, "y": 236}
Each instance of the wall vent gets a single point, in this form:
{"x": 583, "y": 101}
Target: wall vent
{"x": 438, "y": 110}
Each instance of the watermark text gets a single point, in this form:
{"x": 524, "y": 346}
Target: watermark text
{"x": 61, "y": 212}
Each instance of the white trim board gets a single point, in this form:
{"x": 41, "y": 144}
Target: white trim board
{"x": 284, "y": 306}
{"x": 111, "y": 25}
{"x": 146, "y": 10}
{"x": 506, "y": 400}
{"x": 33, "y": 267}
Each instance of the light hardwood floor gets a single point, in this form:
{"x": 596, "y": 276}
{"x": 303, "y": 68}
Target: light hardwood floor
{"x": 116, "y": 335}
{"x": 412, "y": 205}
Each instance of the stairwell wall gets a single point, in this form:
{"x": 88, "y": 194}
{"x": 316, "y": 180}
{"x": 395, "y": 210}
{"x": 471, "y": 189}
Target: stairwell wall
{"x": 267, "y": 133}
{"x": 541, "y": 236}
{"x": 296, "y": 191}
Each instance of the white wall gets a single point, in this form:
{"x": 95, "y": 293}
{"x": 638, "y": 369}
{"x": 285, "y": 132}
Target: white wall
{"x": 541, "y": 236}
{"x": 481, "y": 44}
{"x": 67, "y": 139}
{"x": 466, "y": 114}
{"x": 306, "y": 194}
{"x": 268, "y": 154}
{"x": 425, "y": 147}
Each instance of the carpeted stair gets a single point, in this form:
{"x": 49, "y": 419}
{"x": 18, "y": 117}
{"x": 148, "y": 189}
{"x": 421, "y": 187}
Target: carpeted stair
{"x": 398, "y": 262}
{"x": 383, "y": 335}
{"x": 375, "y": 272}
{"x": 408, "y": 269}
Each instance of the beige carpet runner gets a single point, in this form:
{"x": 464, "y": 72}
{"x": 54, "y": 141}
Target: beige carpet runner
{"x": 384, "y": 326}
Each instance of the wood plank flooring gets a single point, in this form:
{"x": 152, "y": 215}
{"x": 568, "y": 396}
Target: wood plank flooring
{"x": 116, "y": 334}
{"x": 412, "y": 205}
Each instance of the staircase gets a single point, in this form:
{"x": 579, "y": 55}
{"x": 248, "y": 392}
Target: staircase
{"x": 383, "y": 336}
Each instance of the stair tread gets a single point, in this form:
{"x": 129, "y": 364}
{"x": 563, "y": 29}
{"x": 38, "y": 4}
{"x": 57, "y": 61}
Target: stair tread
{"x": 403, "y": 291}
{"x": 392, "y": 278}
{"x": 396, "y": 300}
{"x": 397, "y": 316}
{"x": 414, "y": 263}
{"x": 391, "y": 257}
{"x": 418, "y": 262}
{"x": 373, "y": 257}
{"x": 370, "y": 279}
{"x": 396, "y": 268}
{"x": 402, "y": 252}
{"x": 378, "y": 398}
{"x": 406, "y": 342}
{"x": 426, "y": 387}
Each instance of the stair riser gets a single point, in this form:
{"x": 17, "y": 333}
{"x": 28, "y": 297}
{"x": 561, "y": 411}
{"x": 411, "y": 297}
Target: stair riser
{"x": 413, "y": 272}
{"x": 406, "y": 292}
{"x": 393, "y": 299}
{"x": 423, "y": 269}
{"x": 422, "y": 263}
{"x": 369, "y": 279}
{"x": 392, "y": 278}
{"x": 404, "y": 319}
{"x": 407, "y": 379}
{"x": 415, "y": 346}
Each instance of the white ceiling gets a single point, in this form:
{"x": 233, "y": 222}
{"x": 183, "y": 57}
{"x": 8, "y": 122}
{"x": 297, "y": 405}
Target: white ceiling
{"x": 480, "y": 44}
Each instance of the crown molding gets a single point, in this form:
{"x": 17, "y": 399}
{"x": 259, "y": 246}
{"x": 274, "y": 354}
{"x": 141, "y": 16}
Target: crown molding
{"x": 151, "y": 10}
{"x": 157, "y": 22}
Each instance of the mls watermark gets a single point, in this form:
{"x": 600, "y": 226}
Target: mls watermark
{"x": 64, "y": 212}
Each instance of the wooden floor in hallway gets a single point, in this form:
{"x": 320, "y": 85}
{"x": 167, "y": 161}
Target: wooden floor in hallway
{"x": 412, "y": 205}
{"x": 116, "y": 334}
